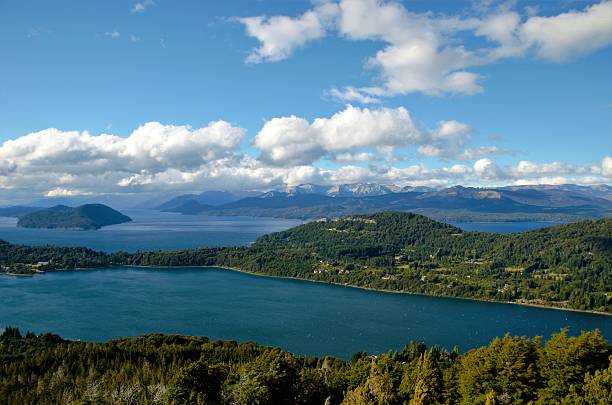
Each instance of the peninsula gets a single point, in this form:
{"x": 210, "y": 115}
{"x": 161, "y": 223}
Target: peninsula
{"x": 566, "y": 266}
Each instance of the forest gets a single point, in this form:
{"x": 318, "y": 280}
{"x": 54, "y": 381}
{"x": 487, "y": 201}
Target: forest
{"x": 566, "y": 266}
{"x": 157, "y": 369}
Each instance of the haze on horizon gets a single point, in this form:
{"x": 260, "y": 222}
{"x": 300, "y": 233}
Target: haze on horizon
{"x": 160, "y": 97}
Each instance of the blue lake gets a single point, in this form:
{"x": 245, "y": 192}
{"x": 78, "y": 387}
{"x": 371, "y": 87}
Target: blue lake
{"x": 502, "y": 227}
{"x": 300, "y": 316}
{"x": 153, "y": 230}
{"x": 303, "y": 317}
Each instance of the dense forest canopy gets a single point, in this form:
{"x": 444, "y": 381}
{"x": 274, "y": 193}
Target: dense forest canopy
{"x": 156, "y": 369}
{"x": 567, "y": 266}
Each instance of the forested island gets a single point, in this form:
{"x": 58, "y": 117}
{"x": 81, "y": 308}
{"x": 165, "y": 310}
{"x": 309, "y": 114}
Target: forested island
{"x": 566, "y": 266}
{"x": 156, "y": 369}
{"x": 84, "y": 217}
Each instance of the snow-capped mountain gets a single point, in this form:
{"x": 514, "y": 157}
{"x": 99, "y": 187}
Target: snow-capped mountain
{"x": 344, "y": 190}
{"x": 360, "y": 190}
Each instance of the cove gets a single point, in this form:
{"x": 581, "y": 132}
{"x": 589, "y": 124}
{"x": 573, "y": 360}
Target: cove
{"x": 299, "y": 316}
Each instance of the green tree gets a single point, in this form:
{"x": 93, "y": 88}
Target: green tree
{"x": 198, "y": 383}
{"x": 565, "y": 361}
{"x": 508, "y": 367}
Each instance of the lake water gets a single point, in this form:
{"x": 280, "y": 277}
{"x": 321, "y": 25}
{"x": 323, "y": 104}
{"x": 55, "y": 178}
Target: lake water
{"x": 153, "y": 230}
{"x": 300, "y": 316}
{"x": 502, "y": 227}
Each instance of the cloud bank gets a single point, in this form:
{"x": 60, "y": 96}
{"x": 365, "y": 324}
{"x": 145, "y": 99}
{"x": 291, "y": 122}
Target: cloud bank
{"x": 352, "y": 145}
{"x": 428, "y": 52}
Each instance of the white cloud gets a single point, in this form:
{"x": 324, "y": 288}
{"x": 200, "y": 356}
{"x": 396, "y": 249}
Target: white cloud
{"x": 606, "y": 167}
{"x": 481, "y": 151}
{"x": 280, "y": 35}
{"x": 527, "y": 168}
{"x": 568, "y": 35}
{"x": 416, "y": 57}
{"x": 502, "y": 29}
{"x": 350, "y": 94}
{"x": 362, "y": 134}
{"x": 447, "y": 140}
{"x": 526, "y": 172}
{"x": 355, "y": 141}
{"x": 288, "y": 141}
{"x": 350, "y": 174}
{"x": 553, "y": 181}
{"x": 63, "y": 192}
{"x": 113, "y": 34}
{"x": 459, "y": 169}
{"x": 292, "y": 140}
{"x": 303, "y": 175}
{"x": 428, "y": 52}
{"x": 488, "y": 170}
{"x": 142, "y": 6}
{"x": 53, "y": 157}
{"x": 347, "y": 157}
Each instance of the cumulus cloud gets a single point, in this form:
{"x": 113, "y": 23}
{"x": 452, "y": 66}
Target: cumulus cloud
{"x": 428, "y": 52}
{"x": 279, "y": 36}
{"x": 553, "y": 169}
{"x": 567, "y": 35}
{"x": 488, "y": 170}
{"x": 51, "y": 156}
{"x": 447, "y": 140}
{"x": 528, "y": 173}
{"x": 63, "y": 192}
{"x": 355, "y": 142}
{"x": 361, "y": 134}
{"x": 293, "y": 140}
{"x": 606, "y": 167}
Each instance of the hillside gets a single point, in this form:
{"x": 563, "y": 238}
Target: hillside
{"x": 209, "y": 198}
{"x": 566, "y": 266}
{"x": 89, "y": 216}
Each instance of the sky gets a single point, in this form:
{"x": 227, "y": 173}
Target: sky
{"x": 156, "y": 96}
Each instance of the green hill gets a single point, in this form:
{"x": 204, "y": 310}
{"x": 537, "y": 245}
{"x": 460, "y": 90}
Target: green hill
{"x": 389, "y": 235}
{"x": 89, "y": 216}
{"x": 568, "y": 266}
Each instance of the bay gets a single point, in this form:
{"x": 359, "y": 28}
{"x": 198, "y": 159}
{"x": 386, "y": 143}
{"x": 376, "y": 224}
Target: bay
{"x": 152, "y": 230}
{"x": 300, "y": 316}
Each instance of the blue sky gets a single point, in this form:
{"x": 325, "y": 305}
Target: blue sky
{"x": 111, "y": 67}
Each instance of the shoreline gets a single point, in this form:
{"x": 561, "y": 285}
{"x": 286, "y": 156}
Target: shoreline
{"x": 542, "y": 306}
{"x": 411, "y": 293}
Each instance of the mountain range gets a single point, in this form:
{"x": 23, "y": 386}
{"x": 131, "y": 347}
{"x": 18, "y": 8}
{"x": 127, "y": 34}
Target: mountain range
{"x": 560, "y": 203}
{"x": 458, "y": 203}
